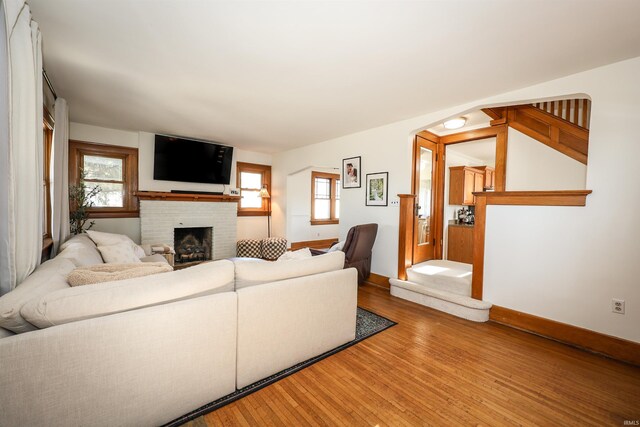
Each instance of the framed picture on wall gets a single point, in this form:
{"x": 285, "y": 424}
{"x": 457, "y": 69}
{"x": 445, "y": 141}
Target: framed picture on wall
{"x": 351, "y": 173}
{"x": 377, "y": 189}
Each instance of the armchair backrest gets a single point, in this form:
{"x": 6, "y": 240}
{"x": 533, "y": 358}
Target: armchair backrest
{"x": 359, "y": 242}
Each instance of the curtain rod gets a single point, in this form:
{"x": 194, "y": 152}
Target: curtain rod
{"x": 46, "y": 79}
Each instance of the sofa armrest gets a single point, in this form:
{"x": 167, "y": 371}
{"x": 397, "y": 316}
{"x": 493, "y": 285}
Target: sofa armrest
{"x": 283, "y": 323}
{"x": 142, "y": 367}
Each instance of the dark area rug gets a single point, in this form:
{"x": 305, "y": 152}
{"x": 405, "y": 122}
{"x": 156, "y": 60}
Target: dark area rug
{"x": 367, "y": 325}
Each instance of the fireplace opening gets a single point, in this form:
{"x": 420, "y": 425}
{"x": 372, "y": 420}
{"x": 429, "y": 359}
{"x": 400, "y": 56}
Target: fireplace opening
{"x": 192, "y": 244}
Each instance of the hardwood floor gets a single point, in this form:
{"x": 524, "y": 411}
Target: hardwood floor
{"x": 436, "y": 369}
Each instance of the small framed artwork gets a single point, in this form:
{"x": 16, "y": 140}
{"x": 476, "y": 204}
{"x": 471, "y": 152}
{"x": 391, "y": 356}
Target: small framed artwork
{"x": 377, "y": 189}
{"x": 351, "y": 173}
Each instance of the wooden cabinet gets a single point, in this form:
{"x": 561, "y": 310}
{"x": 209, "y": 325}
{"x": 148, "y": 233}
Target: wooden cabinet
{"x": 460, "y": 243}
{"x": 464, "y": 180}
{"x": 489, "y": 176}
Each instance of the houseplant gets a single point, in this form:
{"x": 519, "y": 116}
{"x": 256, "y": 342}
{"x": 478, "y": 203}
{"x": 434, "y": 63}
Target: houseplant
{"x": 80, "y": 201}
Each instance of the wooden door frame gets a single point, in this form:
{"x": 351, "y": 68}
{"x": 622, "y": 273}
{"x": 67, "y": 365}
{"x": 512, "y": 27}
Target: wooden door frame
{"x": 436, "y": 221}
{"x": 499, "y": 130}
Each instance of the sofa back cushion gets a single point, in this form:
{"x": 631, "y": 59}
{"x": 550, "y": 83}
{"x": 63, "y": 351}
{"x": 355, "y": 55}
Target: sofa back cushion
{"x": 80, "y": 250}
{"x": 251, "y": 273}
{"x": 49, "y": 277}
{"x": 102, "y": 299}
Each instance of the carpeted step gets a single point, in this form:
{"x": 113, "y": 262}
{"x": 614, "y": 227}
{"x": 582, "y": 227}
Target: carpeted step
{"x": 442, "y": 275}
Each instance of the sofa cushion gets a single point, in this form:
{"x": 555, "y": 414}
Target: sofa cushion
{"x": 5, "y": 333}
{"x": 80, "y": 250}
{"x": 101, "y": 299}
{"x": 250, "y": 273}
{"x": 49, "y": 277}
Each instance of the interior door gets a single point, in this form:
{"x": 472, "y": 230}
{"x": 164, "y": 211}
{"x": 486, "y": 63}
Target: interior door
{"x": 424, "y": 187}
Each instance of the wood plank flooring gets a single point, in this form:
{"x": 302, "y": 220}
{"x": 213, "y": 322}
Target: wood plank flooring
{"x": 436, "y": 369}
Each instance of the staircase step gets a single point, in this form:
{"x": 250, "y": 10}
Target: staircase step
{"x": 448, "y": 302}
{"x": 443, "y": 275}
{"x": 442, "y": 285}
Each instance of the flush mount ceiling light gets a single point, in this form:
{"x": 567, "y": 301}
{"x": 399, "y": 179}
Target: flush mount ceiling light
{"x": 456, "y": 123}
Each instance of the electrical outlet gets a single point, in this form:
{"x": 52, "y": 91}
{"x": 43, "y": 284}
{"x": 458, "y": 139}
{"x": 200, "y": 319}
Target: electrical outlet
{"x": 395, "y": 202}
{"x": 617, "y": 306}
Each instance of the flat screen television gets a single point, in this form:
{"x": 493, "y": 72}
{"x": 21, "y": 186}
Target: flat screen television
{"x": 187, "y": 160}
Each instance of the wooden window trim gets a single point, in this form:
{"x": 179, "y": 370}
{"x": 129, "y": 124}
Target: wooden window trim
{"x": 265, "y": 171}
{"x": 78, "y": 149}
{"x": 333, "y": 178}
{"x": 47, "y": 146}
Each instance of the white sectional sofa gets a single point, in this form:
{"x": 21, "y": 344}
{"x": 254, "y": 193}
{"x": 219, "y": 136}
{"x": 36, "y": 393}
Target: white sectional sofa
{"x": 145, "y": 351}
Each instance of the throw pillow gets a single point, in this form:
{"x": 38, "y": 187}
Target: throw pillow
{"x": 299, "y": 254}
{"x": 105, "y": 239}
{"x": 112, "y": 272}
{"x": 139, "y": 251}
{"x": 109, "y": 239}
{"x": 121, "y": 253}
{"x": 337, "y": 247}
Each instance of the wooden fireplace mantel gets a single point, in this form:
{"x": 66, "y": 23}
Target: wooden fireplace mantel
{"x": 185, "y": 197}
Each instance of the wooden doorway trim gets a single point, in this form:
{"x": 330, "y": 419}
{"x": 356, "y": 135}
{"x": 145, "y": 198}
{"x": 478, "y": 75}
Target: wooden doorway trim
{"x": 437, "y": 188}
{"x": 500, "y": 132}
{"x": 405, "y": 234}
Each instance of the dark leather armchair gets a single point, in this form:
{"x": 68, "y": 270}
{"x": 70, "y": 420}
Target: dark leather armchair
{"x": 357, "y": 249}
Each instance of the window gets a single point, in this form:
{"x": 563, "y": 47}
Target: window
{"x": 325, "y": 198}
{"x": 250, "y": 179}
{"x": 112, "y": 168}
{"x": 47, "y": 142}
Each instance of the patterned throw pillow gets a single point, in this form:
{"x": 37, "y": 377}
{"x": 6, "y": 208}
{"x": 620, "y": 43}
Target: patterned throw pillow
{"x": 273, "y": 247}
{"x": 249, "y": 248}
{"x": 121, "y": 253}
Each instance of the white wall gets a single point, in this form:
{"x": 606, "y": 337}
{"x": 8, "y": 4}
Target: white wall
{"x": 562, "y": 263}
{"x": 298, "y": 196}
{"x": 248, "y": 227}
{"x": 385, "y": 149}
{"x": 532, "y": 165}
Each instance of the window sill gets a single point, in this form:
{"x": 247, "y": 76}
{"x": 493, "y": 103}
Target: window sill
{"x": 253, "y": 213}
{"x": 324, "y": 221}
{"x": 114, "y": 214}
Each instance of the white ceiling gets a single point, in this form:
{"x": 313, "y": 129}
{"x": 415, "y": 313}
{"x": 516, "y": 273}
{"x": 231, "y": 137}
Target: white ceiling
{"x": 269, "y": 76}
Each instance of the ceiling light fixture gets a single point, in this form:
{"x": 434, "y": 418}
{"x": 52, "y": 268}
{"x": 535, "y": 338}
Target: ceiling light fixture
{"x": 456, "y": 123}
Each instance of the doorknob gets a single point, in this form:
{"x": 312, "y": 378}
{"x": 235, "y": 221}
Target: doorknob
{"x": 418, "y": 207}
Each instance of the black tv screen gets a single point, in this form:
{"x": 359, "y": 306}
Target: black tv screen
{"x": 186, "y": 160}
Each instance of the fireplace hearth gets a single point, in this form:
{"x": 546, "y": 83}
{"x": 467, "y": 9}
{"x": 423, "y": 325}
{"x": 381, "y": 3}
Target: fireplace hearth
{"x": 192, "y": 244}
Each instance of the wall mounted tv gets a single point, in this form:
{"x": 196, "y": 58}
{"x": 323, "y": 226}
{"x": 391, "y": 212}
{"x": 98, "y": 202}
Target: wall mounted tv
{"x": 186, "y": 160}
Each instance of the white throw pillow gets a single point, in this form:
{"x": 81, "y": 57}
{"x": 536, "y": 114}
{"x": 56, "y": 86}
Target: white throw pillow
{"x": 337, "y": 247}
{"x": 110, "y": 239}
{"x": 139, "y": 251}
{"x": 121, "y": 253}
{"x": 106, "y": 239}
{"x": 299, "y": 254}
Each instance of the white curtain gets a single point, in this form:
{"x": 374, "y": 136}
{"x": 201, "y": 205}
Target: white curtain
{"x": 24, "y": 148}
{"x": 7, "y": 263}
{"x": 60, "y": 175}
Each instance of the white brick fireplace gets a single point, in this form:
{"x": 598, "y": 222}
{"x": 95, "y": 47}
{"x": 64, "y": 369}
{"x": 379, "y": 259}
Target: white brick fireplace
{"x": 158, "y": 218}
